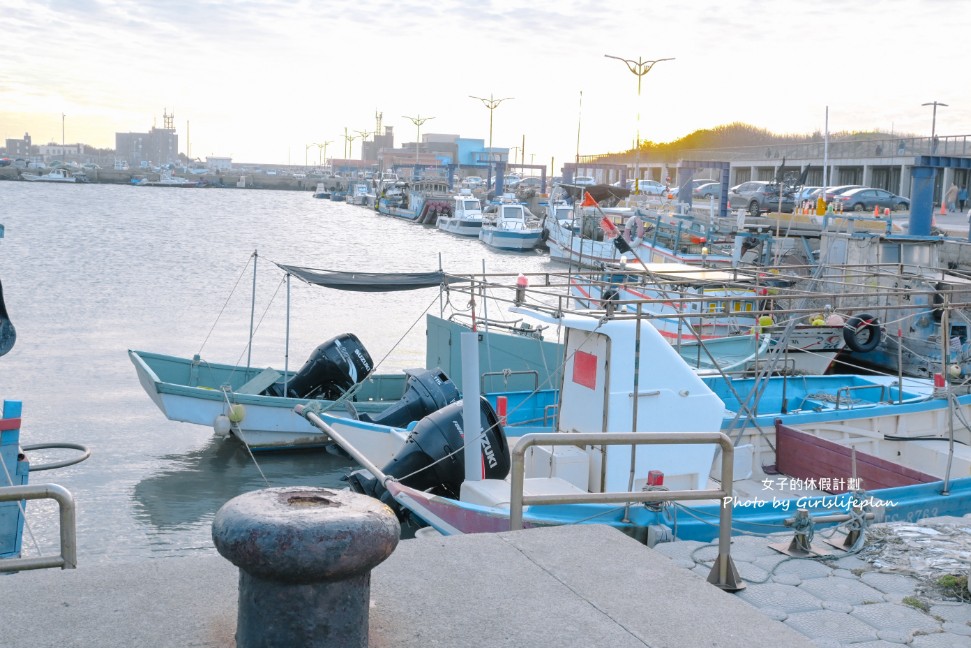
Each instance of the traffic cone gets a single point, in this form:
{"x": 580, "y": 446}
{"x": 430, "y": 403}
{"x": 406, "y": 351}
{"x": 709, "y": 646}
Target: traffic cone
{"x": 876, "y": 211}
{"x": 886, "y": 211}
{"x": 943, "y": 209}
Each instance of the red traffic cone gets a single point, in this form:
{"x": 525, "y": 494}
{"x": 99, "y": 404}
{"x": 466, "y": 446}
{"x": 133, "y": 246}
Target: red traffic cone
{"x": 876, "y": 211}
{"x": 943, "y": 209}
{"x": 886, "y": 211}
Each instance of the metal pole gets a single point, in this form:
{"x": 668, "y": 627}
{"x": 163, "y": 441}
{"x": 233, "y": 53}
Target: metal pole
{"x": 470, "y": 406}
{"x": 286, "y": 345}
{"x": 491, "y": 103}
{"x": 252, "y": 312}
{"x": 639, "y": 68}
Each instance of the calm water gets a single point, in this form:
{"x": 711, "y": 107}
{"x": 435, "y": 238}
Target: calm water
{"x": 91, "y": 271}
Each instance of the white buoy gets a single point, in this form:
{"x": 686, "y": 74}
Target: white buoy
{"x": 221, "y": 425}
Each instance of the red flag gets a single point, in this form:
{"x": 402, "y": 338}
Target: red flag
{"x": 610, "y": 230}
{"x": 588, "y": 200}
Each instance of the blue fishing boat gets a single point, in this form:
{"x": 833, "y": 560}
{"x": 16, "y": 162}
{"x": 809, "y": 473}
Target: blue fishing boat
{"x": 416, "y": 201}
{"x": 619, "y": 376}
{"x": 510, "y": 226}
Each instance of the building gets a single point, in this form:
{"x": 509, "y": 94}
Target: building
{"x": 18, "y": 148}
{"x": 884, "y": 163}
{"x": 157, "y": 147}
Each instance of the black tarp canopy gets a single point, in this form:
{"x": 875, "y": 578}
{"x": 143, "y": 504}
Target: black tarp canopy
{"x": 599, "y": 192}
{"x": 370, "y": 281}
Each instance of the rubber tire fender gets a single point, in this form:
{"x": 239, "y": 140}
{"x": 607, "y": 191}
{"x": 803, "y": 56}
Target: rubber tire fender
{"x": 855, "y": 325}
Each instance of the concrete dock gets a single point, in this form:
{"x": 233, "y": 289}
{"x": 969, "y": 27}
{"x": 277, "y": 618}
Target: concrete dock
{"x": 566, "y": 587}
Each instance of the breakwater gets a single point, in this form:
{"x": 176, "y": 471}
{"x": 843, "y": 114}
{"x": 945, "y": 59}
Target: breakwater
{"x": 217, "y": 179}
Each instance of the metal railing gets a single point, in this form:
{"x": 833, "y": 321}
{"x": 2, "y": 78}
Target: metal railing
{"x": 723, "y": 573}
{"x": 846, "y": 391}
{"x": 68, "y": 558}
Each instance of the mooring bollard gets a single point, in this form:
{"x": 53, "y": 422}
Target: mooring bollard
{"x": 305, "y": 557}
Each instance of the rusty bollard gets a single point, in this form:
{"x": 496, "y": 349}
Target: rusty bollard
{"x": 305, "y": 557}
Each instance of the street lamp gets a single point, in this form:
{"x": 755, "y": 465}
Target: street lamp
{"x": 639, "y": 68}
{"x": 322, "y": 147}
{"x": 417, "y": 121}
{"x": 306, "y": 148}
{"x": 934, "y": 120}
{"x": 491, "y": 103}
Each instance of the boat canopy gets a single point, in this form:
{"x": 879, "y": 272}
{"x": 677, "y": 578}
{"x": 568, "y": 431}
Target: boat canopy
{"x": 370, "y": 281}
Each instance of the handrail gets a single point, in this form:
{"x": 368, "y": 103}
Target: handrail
{"x": 723, "y": 573}
{"x": 68, "y": 559}
{"x": 506, "y": 374}
{"x": 848, "y": 389}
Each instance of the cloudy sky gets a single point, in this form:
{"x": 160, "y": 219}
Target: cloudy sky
{"x": 261, "y": 80}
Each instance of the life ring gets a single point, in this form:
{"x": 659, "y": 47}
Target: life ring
{"x": 634, "y": 229}
{"x": 858, "y": 324}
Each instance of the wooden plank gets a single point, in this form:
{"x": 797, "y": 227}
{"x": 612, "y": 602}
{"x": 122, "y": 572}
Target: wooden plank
{"x": 805, "y": 456}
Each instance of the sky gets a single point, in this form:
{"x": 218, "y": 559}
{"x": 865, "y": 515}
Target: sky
{"x": 266, "y": 81}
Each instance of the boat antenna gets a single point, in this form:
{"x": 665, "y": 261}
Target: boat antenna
{"x": 252, "y": 313}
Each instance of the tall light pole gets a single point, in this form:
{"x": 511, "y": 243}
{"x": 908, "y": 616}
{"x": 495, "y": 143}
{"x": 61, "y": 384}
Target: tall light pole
{"x": 322, "y": 147}
{"x": 640, "y": 68}
{"x": 62, "y": 128}
{"x": 417, "y": 121}
{"x": 491, "y": 103}
{"x": 364, "y": 135}
{"x": 934, "y": 117}
{"x": 306, "y": 148}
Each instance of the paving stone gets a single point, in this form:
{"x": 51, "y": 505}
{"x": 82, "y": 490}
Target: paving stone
{"x": 957, "y": 628}
{"x": 774, "y": 613}
{"x": 940, "y": 640}
{"x": 851, "y": 562}
{"x": 680, "y": 549}
{"x": 707, "y": 554}
{"x": 889, "y": 616}
{"x": 702, "y": 570}
{"x": 843, "y": 590}
{"x": 890, "y": 583}
{"x": 827, "y": 643}
{"x": 770, "y": 562}
{"x": 837, "y": 606}
{"x": 783, "y": 597}
{"x": 879, "y": 643}
{"x": 844, "y": 573}
{"x": 787, "y": 579}
{"x": 952, "y": 612}
{"x": 826, "y": 624}
{"x": 894, "y": 636}
{"x": 750, "y": 573}
{"x": 750, "y": 548}
{"x": 804, "y": 569}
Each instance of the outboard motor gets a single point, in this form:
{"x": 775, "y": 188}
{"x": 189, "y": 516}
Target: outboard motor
{"x": 426, "y": 391}
{"x": 433, "y": 458}
{"x": 334, "y": 367}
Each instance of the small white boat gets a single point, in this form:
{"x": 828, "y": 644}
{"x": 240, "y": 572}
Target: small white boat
{"x": 321, "y": 191}
{"x": 166, "y": 179}
{"x": 511, "y": 227}
{"x": 54, "y": 175}
{"x": 465, "y": 217}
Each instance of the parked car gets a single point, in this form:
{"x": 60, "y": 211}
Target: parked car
{"x": 759, "y": 196}
{"x": 531, "y": 183}
{"x": 473, "y": 182}
{"x": 584, "y": 181}
{"x": 867, "y": 199}
{"x": 829, "y": 195}
{"x": 648, "y": 187}
{"x": 806, "y": 193}
{"x": 707, "y": 190}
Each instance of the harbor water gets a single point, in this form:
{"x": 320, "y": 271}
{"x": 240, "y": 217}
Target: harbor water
{"x": 90, "y": 271}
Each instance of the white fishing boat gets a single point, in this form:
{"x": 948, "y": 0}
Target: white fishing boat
{"x": 511, "y": 227}
{"x": 621, "y": 376}
{"x": 54, "y": 175}
{"x": 465, "y": 216}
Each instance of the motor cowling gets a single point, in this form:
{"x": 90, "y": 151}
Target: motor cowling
{"x": 334, "y": 367}
{"x": 426, "y": 391}
{"x": 433, "y": 456}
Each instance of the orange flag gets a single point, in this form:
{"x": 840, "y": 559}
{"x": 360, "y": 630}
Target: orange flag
{"x": 588, "y": 200}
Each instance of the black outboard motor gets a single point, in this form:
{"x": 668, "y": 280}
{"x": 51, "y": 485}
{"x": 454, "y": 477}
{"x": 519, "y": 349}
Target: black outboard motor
{"x": 426, "y": 391}
{"x": 334, "y": 367}
{"x": 439, "y": 435}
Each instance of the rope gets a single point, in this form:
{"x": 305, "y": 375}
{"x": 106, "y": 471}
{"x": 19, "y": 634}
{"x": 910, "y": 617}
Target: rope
{"x": 239, "y": 431}
{"x": 231, "y": 293}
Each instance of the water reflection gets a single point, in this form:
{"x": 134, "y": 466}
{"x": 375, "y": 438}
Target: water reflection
{"x": 191, "y": 486}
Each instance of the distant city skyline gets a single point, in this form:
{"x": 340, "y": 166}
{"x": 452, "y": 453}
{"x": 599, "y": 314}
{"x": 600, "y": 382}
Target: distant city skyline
{"x": 262, "y": 82}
